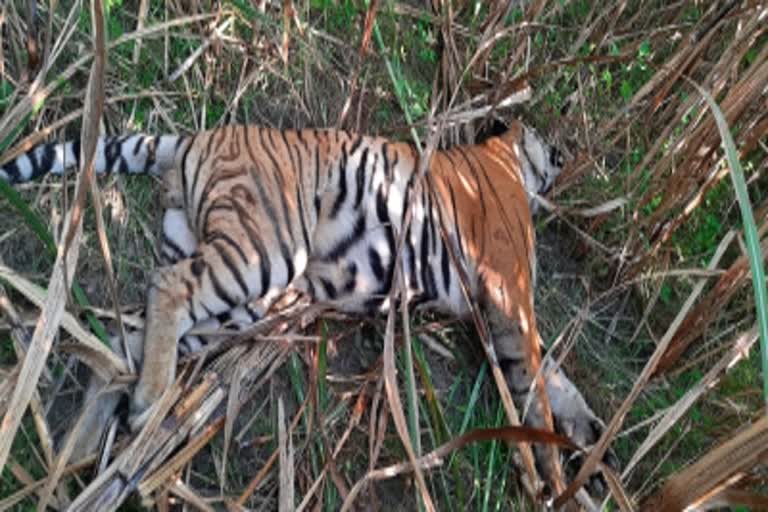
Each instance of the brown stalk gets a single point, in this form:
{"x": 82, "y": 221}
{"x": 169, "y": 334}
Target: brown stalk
{"x": 370, "y": 19}
{"x": 286, "y": 499}
{"x": 33, "y": 51}
{"x": 713, "y": 473}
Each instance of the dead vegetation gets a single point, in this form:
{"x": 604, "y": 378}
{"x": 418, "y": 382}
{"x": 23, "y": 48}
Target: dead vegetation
{"x": 650, "y": 309}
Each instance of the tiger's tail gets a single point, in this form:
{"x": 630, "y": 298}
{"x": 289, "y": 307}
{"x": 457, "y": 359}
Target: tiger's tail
{"x": 131, "y": 154}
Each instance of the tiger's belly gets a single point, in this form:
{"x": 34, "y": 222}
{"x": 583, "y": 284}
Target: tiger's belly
{"x": 357, "y": 274}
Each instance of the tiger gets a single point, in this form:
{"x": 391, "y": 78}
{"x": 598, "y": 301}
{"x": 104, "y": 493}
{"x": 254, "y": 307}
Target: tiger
{"x": 252, "y": 211}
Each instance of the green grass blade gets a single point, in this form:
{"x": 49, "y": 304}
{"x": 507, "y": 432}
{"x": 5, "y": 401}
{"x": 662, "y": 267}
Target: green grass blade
{"x": 750, "y": 231}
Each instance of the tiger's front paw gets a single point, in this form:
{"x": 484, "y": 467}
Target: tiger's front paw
{"x": 576, "y": 420}
{"x": 585, "y": 431}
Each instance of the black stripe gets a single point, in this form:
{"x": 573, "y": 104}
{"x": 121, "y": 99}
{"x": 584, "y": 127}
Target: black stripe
{"x": 253, "y": 236}
{"x": 393, "y": 167}
{"x": 150, "y": 143}
{"x": 266, "y": 202}
{"x": 524, "y": 239}
{"x": 287, "y": 147}
{"x": 184, "y": 170}
{"x": 427, "y": 278}
{"x": 300, "y": 184}
{"x": 347, "y": 242}
{"x": 208, "y": 312}
{"x": 288, "y": 218}
{"x": 201, "y": 160}
{"x": 350, "y": 285}
{"x": 270, "y": 210}
{"x": 456, "y": 226}
{"x": 137, "y": 146}
{"x": 447, "y": 155}
{"x": 533, "y": 167}
{"x": 279, "y": 179}
{"x": 410, "y": 255}
{"x": 233, "y": 269}
{"x": 32, "y": 157}
{"x": 167, "y": 242}
{"x": 12, "y": 170}
{"x": 218, "y": 235}
{"x": 270, "y": 134}
{"x": 373, "y": 305}
{"x": 355, "y": 145}
{"x": 372, "y": 174}
{"x": 374, "y": 258}
{"x": 445, "y": 266}
{"x": 429, "y": 220}
{"x": 317, "y": 166}
{"x": 360, "y": 178}
{"x": 223, "y": 318}
{"x": 304, "y": 230}
{"x": 76, "y": 151}
{"x": 197, "y": 266}
{"x": 385, "y": 158}
{"x": 221, "y": 204}
{"x": 330, "y": 290}
{"x": 47, "y": 161}
{"x": 342, "y": 196}
{"x": 382, "y": 214}
{"x": 220, "y": 291}
{"x": 310, "y": 289}
{"x": 110, "y": 155}
{"x": 123, "y": 167}
{"x": 264, "y": 147}
{"x": 255, "y": 317}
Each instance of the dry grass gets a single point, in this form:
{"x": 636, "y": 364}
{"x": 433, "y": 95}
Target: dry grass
{"x": 642, "y": 238}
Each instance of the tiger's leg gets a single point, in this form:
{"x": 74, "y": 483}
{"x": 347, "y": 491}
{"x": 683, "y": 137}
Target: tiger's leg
{"x": 571, "y": 414}
{"x": 179, "y": 242}
{"x": 513, "y": 332}
{"x": 215, "y": 279}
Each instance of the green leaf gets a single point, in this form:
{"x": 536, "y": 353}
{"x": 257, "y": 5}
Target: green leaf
{"x": 754, "y": 252}
{"x": 607, "y": 78}
{"x": 626, "y": 90}
{"x": 644, "y": 50}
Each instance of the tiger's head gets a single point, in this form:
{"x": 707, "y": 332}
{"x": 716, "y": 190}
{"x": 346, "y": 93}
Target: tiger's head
{"x": 541, "y": 163}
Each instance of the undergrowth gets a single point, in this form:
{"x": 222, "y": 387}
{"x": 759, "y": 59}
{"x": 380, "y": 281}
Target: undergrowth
{"x": 592, "y": 102}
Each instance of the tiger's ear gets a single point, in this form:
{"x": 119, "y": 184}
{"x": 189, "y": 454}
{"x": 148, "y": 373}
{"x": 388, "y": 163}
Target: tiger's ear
{"x": 510, "y": 131}
{"x": 513, "y": 134}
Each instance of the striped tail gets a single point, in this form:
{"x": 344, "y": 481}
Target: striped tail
{"x": 133, "y": 154}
